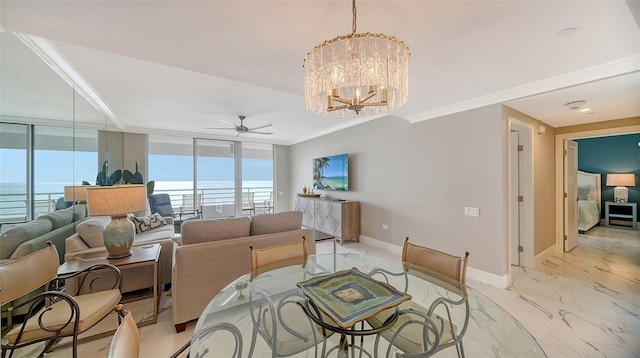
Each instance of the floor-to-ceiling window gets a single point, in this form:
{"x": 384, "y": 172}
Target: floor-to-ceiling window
{"x": 37, "y": 163}
{"x": 215, "y": 177}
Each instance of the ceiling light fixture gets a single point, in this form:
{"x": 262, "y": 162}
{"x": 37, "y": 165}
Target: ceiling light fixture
{"x": 575, "y": 105}
{"x": 360, "y": 73}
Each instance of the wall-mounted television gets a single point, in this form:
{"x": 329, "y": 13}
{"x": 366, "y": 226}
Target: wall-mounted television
{"x": 331, "y": 173}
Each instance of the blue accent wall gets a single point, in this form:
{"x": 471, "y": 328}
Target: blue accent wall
{"x": 614, "y": 154}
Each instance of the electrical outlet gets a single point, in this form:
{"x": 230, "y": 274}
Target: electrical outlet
{"x": 385, "y": 227}
{"x": 470, "y": 211}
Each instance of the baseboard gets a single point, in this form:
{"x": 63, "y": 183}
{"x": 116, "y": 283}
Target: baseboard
{"x": 383, "y": 245}
{"x": 472, "y": 273}
{"x": 542, "y": 257}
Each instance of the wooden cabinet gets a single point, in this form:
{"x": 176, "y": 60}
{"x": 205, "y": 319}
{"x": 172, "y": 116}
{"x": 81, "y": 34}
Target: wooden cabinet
{"x": 337, "y": 218}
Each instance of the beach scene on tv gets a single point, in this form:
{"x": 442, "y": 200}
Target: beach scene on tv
{"x": 331, "y": 173}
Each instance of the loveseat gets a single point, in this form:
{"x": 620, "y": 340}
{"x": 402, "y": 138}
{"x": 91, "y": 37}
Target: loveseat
{"x": 88, "y": 238}
{"x": 32, "y": 236}
{"x": 214, "y": 252}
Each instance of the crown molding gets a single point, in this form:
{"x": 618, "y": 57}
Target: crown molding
{"x": 54, "y": 58}
{"x": 611, "y": 69}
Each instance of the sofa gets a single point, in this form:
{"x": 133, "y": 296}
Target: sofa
{"x": 32, "y": 236}
{"x": 214, "y": 252}
{"x": 88, "y": 239}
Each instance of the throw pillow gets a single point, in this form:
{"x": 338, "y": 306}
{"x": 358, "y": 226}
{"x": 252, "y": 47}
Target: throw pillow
{"x": 147, "y": 223}
{"x": 583, "y": 192}
{"x": 90, "y": 230}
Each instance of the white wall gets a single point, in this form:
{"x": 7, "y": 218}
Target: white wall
{"x": 417, "y": 179}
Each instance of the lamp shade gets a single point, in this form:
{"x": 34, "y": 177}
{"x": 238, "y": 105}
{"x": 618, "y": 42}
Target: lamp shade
{"x": 621, "y": 180}
{"x": 76, "y": 192}
{"x": 118, "y": 200}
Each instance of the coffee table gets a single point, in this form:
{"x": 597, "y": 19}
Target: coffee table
{"x": 145, "y": 255}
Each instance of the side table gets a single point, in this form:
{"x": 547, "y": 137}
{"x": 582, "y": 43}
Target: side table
{"x": 621, "y": 212}
{"x": 145, "y": 255}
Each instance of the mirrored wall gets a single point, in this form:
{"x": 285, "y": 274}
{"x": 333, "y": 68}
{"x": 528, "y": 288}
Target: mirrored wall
{"x": 48, "y": 134}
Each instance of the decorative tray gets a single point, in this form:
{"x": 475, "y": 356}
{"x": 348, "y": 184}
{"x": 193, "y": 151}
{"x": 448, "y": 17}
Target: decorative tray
{"x": 309, "y": 195}
{"x": 350, "y": 296}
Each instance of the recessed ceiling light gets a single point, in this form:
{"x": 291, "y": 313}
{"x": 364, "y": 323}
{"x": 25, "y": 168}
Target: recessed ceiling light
{"x": 585, "y": 110}
{"x": 567, "y": 31}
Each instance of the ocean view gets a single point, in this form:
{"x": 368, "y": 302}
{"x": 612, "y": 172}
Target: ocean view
{"x": 13, "y": 195}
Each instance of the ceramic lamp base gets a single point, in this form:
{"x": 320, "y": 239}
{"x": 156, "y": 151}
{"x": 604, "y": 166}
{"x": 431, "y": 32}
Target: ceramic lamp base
{"x": 118, "y": 237}
{"x": 620, "y": 194}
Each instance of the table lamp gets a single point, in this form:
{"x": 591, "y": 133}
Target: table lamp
{"x": 621, "y": 181}
{"x": 77, "y": 193}
{"x": 117, "y": 201}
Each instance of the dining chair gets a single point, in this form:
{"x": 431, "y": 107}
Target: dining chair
{"x": 248, "y": 203}
{"x": 279, "y": 319}
{"x": 53, "y": 314}
{"x": 126, "y": 340}
{"x": 415, "y": 336}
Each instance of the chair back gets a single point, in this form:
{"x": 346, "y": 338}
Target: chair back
{"x": 451, "y": 266}
{"x": 161, "y": 204}
{"x": 248, "y": 201}
{"x": 191, "y": 202}
{"x": 42, "y": 267}
{"x": 126, "y": 341}
{"x": 273, "y": 254}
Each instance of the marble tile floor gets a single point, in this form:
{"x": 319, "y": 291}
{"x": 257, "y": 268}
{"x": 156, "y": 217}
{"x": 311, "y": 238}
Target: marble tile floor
{"x": 585, "y": 303}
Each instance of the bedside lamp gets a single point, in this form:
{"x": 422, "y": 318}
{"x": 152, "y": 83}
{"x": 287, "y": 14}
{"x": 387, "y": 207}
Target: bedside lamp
{"x": 621, "y": 181}
{"x": 77, "y": 193}
{"x": 117, "y": 201}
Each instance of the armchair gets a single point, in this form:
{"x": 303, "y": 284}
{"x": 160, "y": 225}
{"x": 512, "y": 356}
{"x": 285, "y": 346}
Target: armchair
{"x": 161, "y": 204}
{"x": 63, "y": 315}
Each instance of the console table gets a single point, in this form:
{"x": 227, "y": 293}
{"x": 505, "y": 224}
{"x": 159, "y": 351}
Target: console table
{"x": 621, "y": 212}
{"x": 340, "y": 219}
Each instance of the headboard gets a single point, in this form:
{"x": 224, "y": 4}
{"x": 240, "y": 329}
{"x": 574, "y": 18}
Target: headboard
{"x": 593, "y": 180}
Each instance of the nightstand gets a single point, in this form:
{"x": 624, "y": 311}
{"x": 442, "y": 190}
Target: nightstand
{"x": 625, "y": 215}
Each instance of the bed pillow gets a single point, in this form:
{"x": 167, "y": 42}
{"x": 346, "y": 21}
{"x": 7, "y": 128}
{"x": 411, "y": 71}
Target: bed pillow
{"x": 583, "y": 192}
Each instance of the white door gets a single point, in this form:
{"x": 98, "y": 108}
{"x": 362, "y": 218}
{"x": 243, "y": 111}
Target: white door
{"x": 570, "y": 195}
{"x": 516, "y": 204}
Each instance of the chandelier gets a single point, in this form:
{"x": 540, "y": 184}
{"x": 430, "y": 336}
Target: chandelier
{"x": 365, "y": 73}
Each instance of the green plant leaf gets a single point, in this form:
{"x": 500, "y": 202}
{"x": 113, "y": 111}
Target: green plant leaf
{"x": 151, "y": 184}
{"x": 115, "y": 177}
{"x": 127, "y": 176}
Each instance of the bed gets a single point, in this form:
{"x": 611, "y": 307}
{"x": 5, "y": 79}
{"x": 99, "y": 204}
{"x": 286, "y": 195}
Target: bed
{"x": 589, "y": 200}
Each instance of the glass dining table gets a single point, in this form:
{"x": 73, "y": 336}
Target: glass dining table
{"x": 228, "y": 325}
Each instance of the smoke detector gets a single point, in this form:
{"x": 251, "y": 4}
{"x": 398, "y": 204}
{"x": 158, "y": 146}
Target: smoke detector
{"x": 575, "y": 105}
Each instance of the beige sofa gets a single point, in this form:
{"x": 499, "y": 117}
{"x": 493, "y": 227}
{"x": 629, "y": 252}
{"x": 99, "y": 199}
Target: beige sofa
{"x": 88, "y": 238}
{"x": 215, "y": 252}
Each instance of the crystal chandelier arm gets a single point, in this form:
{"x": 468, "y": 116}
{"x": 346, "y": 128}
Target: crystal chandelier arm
{"x": 341, "y": 100}
{"x": 369, "y": 95}
{"x": 331, "y": 109}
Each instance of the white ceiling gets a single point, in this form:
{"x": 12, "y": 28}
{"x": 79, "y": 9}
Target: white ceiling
{"x": 180, "y": 66}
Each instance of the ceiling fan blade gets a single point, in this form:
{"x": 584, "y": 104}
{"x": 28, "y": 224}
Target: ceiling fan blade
{"x": 222, "y": 129}
{"x": 229, "y": 123}
{"x": 260, "y": 132}
{"x": 260, "y": 127}
{"x": 236, "y": 134}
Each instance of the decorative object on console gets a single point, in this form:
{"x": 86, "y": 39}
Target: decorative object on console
{"x": 117, "y": 201}
{"x": 621, "y": 181}
{"x": 357, "y": 73}
{"x": 77, "y": 193}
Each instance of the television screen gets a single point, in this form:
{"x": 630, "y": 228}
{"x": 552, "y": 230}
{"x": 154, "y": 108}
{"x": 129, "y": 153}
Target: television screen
{"x": 331, "y": 173}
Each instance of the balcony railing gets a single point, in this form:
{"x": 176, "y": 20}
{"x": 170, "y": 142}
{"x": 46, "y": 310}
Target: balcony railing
{"x": 13, "y": 207}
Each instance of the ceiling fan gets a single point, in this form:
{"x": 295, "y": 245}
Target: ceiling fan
{"x": 240, "y": 129}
